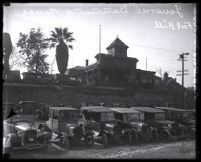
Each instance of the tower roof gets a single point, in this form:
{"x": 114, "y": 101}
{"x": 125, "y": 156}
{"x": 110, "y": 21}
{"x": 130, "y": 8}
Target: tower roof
{"x": 117, "y": 42}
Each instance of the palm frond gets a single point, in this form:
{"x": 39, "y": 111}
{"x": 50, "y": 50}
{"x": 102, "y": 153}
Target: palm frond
{"x": 59, "y": 32}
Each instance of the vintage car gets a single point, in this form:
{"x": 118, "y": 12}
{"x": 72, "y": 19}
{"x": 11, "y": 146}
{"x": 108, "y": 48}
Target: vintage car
{"x": 63, "y": 123}
{"x": 182, "y": 116}
{"x": 167, "y": 130}
{"x": 22, "y": 133}
{"x": 106, "y": 128}
{"x": 140, "y": 130}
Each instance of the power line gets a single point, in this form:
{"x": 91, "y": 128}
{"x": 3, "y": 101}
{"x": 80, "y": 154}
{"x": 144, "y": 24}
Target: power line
{"x": 163, "y": 49}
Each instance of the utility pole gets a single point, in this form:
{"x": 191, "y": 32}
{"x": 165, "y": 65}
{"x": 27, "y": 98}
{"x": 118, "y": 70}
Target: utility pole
{"x": 146, "y": 63}
{"x": 181, "y": 58}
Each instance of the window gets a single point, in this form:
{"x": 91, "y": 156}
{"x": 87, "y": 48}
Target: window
{"x": 69, "y": 116}
{"x": 55, "y": 114}
{"x": 133, "y": 117}
{"x": 159, "y": 116}
{"x": 107, "y": 116}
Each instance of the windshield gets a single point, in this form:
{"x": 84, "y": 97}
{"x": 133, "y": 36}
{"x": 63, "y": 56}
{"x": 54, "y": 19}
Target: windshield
{"x": 159, "y": 116}
{"x": 107, "y": 116}
{"x": 69, "y": 116}
{"x": 133, "y": 117}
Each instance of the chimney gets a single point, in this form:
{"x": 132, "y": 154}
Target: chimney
{"x": 87, "y": 62}
{"x": 165, "y": 76}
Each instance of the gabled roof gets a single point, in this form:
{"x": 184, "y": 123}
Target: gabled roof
{"x": 96, "y": 109}
{"x": 147, "y": 109}
{"x": 124, "y": 110}
{"x": 117, "y": 42}
{"x": 174, "y": 109}
{"x": 62, "y": 108}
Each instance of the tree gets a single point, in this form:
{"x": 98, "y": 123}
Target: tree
{"x": 61, "y": 37}
{"x": 34, "y": 46}
{"x": 16, "y": 59}
{"x": 7, "y": 50}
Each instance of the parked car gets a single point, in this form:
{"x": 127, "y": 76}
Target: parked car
{"x": 23, "y": 134}
{"x": 183, "y": 117}
{"x": 106, "y": 128}
{"x": 167, "y": 130}
{"x": 63, "y": 123}
{"x": 140, "y": 130}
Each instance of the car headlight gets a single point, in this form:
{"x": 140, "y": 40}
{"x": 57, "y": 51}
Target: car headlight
{"x": 122, "y": 131}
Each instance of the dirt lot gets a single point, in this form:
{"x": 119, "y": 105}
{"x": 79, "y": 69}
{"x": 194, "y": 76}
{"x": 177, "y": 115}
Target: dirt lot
{"x": 173, "y": 150}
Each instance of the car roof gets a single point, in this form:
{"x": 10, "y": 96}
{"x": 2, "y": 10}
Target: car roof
{"x": 174, "y": 109}
{"x": 96, "y": 109}
{"x": 147, "y": 109}
{"x": 63, "y": 108}
{"x": 124, "y": 110}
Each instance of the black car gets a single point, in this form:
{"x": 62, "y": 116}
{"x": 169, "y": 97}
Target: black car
{"x": 106, "y": 128}
{"x": 182, "y": 117}
{"x": 167, "y": 130}
{"x": 63, "y": 123}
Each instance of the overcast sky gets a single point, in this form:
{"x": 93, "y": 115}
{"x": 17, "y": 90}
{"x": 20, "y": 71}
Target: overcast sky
{"x": 140, "y": 26}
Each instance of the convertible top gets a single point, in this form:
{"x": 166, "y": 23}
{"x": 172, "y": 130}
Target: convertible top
{"x": 124, "y": 110}
{"x": 174, "y": 109}
{"x": 147, "y": 109}
{"x": 96, "y": 109}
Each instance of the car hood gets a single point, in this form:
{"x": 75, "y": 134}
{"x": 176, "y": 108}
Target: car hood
{"x": 24, "y": 126}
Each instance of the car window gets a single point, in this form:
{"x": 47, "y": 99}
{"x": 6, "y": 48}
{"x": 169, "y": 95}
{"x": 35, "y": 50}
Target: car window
{"x": 133, "y": 117}
{"x": 107, "y": 116}
{"x": 159, "y": 116}
{"x": 55, "y": 114}
{"x": 69, "y": 116}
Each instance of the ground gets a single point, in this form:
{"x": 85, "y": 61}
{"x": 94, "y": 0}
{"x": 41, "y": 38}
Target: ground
{"x": 172, "y": 150}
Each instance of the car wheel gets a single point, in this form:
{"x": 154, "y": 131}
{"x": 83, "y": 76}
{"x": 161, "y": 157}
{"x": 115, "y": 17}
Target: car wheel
{"x": 89, "y": 140}
{"x": 165, "y": 135}
{"x": 104, "y": 140}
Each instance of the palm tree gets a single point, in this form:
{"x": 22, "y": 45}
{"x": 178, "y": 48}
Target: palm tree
{"x": 61, "y": 37}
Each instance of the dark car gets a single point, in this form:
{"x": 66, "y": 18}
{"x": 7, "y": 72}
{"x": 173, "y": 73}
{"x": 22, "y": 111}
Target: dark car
{"x": 140, "y": 130}
{"x": 63, "y": 123}
{"x": 106, "y": 128}
{"x": 167, "y": 130}
{"x": 182, "y": 117}
{"x": 23, "y": 134}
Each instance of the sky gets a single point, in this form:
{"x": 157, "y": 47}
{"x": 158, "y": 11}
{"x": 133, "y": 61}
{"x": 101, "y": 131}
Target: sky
{"x": 157, "y": 33}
